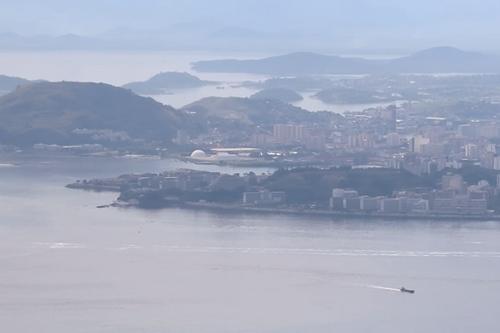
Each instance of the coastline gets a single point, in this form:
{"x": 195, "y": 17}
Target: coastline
{"x": 231, "y": 208}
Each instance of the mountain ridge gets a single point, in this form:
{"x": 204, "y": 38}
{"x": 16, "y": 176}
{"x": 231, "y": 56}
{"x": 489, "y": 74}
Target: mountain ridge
{"x": 433, "y": 60}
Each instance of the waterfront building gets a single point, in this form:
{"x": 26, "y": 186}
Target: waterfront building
{"x": 390, "y": 205}
{"x": 472, "y": 202}
{"x": 264, "y": 198}
{"x": 370, "y": 204}
{"x": 352, "y": 203}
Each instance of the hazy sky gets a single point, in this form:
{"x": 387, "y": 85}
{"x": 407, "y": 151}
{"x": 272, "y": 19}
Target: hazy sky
{"x": 465, "y": 22}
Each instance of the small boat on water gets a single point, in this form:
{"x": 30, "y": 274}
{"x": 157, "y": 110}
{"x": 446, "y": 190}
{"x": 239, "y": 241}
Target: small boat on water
{"x": 408, "y": 291}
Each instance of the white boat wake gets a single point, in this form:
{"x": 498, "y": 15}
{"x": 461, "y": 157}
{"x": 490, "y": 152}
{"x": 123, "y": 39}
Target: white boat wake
{"x": 382, "y": 288}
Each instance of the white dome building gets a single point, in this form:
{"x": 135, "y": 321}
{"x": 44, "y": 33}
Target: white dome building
{"x": 198, "y": 154}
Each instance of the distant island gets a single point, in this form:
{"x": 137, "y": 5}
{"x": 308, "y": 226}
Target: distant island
{"x": 165, "y": 82}
{"x": 434, "y": 60}
{"x": 383, "y": 88}
{"x": 280, "y": 94}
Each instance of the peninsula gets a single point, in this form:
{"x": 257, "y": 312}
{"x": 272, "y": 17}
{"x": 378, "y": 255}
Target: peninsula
{"x": 343, "y": 192}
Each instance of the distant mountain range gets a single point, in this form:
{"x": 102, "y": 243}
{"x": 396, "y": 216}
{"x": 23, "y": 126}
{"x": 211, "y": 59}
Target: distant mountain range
{"x": 434, "y": 60}
{"x": 12, "y": 41}
{"x": 216, "y": 37}
{"x": 163, "y": 82}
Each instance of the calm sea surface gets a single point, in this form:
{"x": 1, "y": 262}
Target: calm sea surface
{"x": 69, "y": 267}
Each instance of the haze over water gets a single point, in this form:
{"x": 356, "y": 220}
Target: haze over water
{"x": 119, "y": 68}
{"x": 70, "y": 263}
{"x": 69, "y": 267}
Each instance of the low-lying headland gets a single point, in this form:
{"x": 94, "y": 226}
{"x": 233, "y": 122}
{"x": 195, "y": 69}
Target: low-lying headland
{"x": 335, "y": 192}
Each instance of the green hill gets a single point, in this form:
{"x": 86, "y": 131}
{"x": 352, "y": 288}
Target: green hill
{"x": 280, "y": 94}
{"x": 253, "y": 112}
{"x": 70, "y": 112}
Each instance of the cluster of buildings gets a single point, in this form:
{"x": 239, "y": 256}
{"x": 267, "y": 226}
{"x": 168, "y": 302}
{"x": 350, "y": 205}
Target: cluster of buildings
{"x": 444, "y": 145}
{"x": 309, "y": 137}
{"x": 406, "y": 136}
{"x": 246, "y": 187}
{"x": 400, "y": 137}
{"x": 351, "y": 201}
{"x": 454, "y": 197}
{"x": 202, "y": 181}
{"x": 183, "y": 180}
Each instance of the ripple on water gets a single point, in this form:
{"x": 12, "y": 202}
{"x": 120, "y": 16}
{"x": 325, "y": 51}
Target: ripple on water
{"x": 59, "y": 245}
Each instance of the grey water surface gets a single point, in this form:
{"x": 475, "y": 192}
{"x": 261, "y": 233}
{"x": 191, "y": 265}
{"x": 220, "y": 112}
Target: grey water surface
{"x": 67, "y": 267}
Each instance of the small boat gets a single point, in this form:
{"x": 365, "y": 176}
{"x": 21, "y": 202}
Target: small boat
{"x": 102, "y": 206}
{"x": 408, "y": 291}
